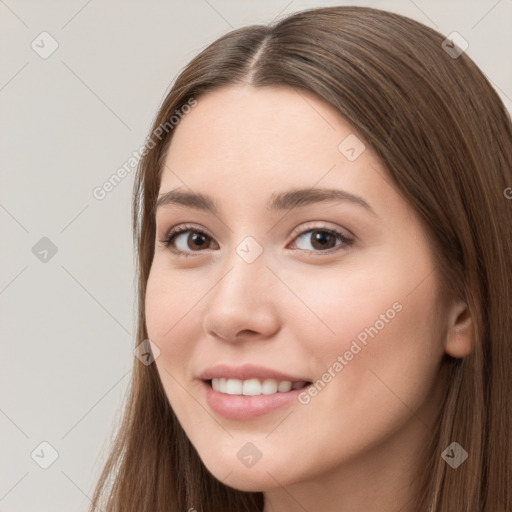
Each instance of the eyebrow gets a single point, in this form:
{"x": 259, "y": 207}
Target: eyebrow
{"x": 278, "y": 201}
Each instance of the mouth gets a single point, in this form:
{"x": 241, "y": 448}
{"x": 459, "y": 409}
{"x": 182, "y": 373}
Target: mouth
{"x": 245, "y": 400}
{"x": 248, "y": 391}
{"x": 254, "y": 387}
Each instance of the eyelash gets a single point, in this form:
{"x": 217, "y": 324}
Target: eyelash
{"x": 173, "y": 233}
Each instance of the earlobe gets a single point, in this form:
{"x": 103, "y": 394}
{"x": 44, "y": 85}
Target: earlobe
{"x": 460, "y": 337}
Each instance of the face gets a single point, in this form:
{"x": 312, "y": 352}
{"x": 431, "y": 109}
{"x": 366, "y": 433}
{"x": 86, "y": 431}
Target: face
{"x": 331, "y": 294}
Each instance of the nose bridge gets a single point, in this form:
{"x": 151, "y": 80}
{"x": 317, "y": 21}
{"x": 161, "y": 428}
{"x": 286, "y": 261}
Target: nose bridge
{"x": 240, "y": 300}
{"x": 246, "y": 271}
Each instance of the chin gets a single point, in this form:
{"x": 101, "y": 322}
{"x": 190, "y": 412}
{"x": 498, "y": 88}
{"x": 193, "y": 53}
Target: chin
{"x": 249, "y": 481}
{"x": 258, "y": 478}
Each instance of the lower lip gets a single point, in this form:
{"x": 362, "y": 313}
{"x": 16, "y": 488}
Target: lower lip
{"x": 242, "y": 407}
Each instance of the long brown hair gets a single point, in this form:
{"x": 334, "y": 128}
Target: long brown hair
{"x": 446, "y": 139}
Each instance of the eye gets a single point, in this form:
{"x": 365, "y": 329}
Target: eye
{"x": 182, "y": 245}
{"x": 324, "y": 240}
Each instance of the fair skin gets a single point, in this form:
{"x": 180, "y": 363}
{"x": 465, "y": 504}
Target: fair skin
{"x": 355, "y": 446}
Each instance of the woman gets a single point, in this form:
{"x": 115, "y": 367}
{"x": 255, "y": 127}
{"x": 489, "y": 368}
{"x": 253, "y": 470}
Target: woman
{"x": 324, "y": 248}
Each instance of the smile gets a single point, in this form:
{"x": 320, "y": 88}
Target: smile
{"x": 254, "y": 387}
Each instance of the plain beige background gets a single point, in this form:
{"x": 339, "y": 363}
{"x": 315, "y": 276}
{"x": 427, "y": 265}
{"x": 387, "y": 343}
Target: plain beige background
{"x": 69, "y": 121}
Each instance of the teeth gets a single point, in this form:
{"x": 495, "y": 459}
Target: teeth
{"x": 284, "y": 386}
{"x": 233, "y": 387}
{"x": 269, "y": 387}
{"x": 252, "y": 387}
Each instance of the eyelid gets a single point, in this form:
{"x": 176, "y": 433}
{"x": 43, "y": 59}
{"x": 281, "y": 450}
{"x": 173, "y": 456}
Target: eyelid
{"x": 319, "y": 225}
{"x": 179, "y": 228}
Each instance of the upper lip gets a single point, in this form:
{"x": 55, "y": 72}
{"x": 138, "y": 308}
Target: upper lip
{"x": 247, "y": 371}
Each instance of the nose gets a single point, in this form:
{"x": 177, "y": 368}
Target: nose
{"x": 243, "y": 303}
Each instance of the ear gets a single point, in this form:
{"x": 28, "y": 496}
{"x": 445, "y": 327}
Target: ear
{"x": 460, "y": 336}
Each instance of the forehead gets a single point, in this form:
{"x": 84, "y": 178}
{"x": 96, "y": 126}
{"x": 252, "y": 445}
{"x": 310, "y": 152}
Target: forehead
{"x": 242, "y": 120}
{"x": 242, "y": 144}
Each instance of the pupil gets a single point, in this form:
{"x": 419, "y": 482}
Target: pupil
{"x": 323, "y": 238}
{"x": 195, "y": 238}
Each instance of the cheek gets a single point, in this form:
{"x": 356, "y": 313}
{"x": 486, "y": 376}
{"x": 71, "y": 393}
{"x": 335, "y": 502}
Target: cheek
{"x": 375, "y": 325}
{"x": 340, "y": 304}
{"x": 170, "y": 321}
{"x": 171, "y": 297}
{"x": 170, "y": 324}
